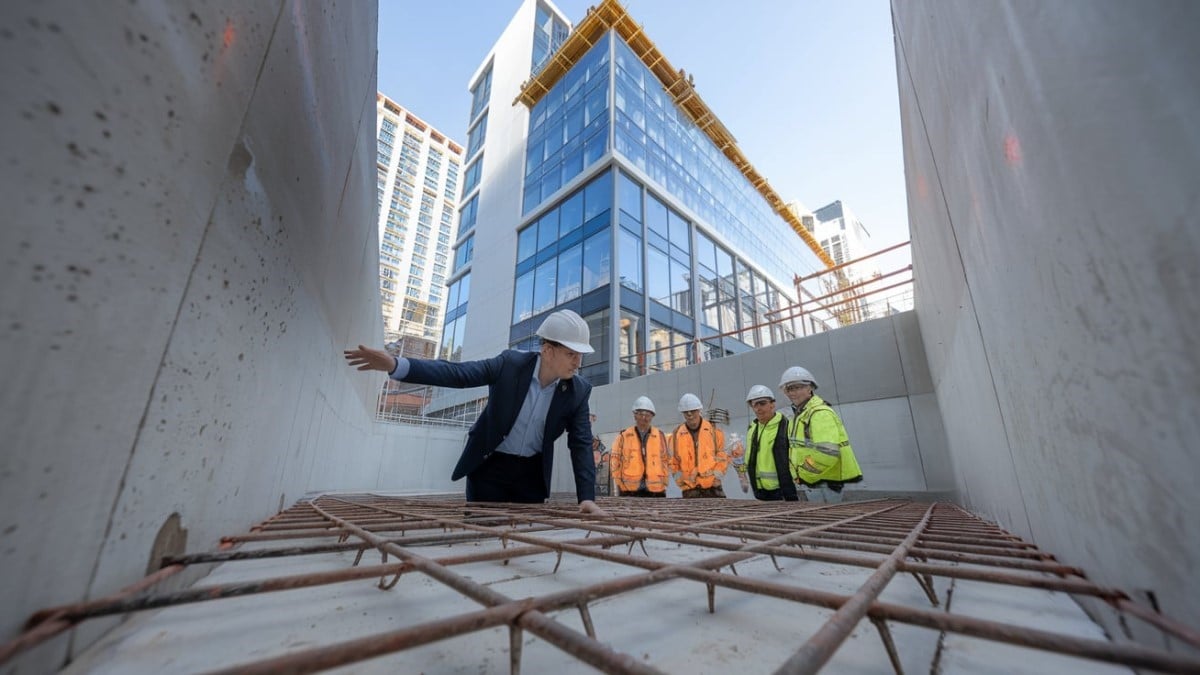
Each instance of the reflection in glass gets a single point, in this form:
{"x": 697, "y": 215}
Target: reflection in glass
{"x": 543, "y": 286}
{"x": 523, "y": 297}
{"x": 658, "y": 276}
{"x": 597, "y": 260}
{"x": 629, "y": 259}
{"x": 632, "y": 359}
{"x": 570, "y": 274}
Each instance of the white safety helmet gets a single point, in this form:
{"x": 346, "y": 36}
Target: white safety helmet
{"x": 689, "y": 402}
{"x": 644, "y": 403}
{"x": 797, "y": 374}
{"x": 567, "y": 329}
{"x": 759, "y": 391}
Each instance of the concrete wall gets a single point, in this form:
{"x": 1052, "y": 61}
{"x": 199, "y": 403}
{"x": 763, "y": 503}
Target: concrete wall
{"x": 1052, "y": 155}
{"x": 874, "y": 374}
{"x": 188, "y": 243}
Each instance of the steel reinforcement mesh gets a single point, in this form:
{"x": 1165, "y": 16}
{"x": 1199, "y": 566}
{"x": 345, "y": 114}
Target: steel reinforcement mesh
{"x": 642, "y": 545}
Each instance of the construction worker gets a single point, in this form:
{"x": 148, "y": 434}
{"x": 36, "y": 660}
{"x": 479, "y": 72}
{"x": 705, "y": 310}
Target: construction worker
{"x": 533, "y": 397}
{"x": 698, "y": 456}
{"x": 639, "y": 455}
{"x": 820, "y": 448}
{"x": 768, "y": 450}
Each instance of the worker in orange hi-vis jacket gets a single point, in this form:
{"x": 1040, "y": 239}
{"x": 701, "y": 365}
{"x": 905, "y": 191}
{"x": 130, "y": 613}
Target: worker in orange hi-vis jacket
{"x": 639, "y": 455}
{"x": 698, "y": 456}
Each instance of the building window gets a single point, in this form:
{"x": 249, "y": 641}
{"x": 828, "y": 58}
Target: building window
{"x": 568, "y": 128}
{"x": 629, "y": 257}
{"x": 465, "y": 252}
{"x": 481, "y": 93}
{"x": 477, "y": 136}
{"x": 472, "y": 177}
{"x": 570, "y": 274}
{"x": 597, "y": 260}
{"x": 630, "y": 347}
{"x": 466, "y": 217}
{"x": 565, "y": 253}
{"x": 594, "y": 366}
{"x": 548, "y": 35}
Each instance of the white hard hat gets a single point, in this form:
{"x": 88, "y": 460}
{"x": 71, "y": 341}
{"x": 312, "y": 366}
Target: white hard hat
{"x": 689, "y": 402}
{"x": 643, "y": 403}
{"x": 759, "y": 391}
{"x": 797, "y": 374}
{"x": 567, "y": 329}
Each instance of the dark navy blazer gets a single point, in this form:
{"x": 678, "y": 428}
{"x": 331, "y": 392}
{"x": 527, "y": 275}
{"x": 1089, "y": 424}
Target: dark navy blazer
{"x": 508, "y": 377}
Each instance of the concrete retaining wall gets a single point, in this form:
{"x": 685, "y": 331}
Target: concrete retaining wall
{"x": 188, "y": 243}
{"x": 874, "y": 374}
{"x": 1052, "y": 155}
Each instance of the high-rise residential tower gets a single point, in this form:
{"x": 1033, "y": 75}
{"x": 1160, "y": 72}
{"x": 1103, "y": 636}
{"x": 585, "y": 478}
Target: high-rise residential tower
{"x": 596, "y": 179}
{"x": 417, "y": 183}
{"x": 841, "y": 234}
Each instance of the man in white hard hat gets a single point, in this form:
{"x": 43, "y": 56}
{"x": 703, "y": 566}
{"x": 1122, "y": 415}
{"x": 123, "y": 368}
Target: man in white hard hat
{"x": 771, "y": 475}
{"x": 820, "y": 448}
{"x": 697, "y": 449}
{"x": 639, "y": 458}
{"x": 532, "y": 398}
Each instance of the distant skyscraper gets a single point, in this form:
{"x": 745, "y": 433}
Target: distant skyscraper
{"x": 842, "y": 234}
{"x": 417, "y": 182}
{"x": 844, "y": 238}
{"x": 613, "y": 191}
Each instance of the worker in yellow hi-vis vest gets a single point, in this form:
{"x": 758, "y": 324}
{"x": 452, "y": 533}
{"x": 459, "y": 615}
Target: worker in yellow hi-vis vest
{"x": 820, "y": 447}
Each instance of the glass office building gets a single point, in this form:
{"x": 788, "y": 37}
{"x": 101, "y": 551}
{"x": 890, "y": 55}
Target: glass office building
{"x": 631, "y": 215}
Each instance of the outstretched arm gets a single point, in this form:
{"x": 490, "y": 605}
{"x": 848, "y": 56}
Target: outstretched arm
{"x": 365, "y": 358}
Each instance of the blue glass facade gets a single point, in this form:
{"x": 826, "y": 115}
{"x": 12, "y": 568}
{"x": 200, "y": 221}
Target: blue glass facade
{"x": 662, "y": 142}
{"x": 456, "y": 319}
{"x": 681, "y": 291}
{"x": 568, "y": 128}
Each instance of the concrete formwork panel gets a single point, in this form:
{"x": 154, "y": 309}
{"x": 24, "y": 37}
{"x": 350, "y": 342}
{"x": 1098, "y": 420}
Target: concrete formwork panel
{"x": 866, "y": 361}
{"x": 420, "y": 457}
{"x": 885, "y": 444}
{"x": 1050, "y": 156}
{"x": 98, "y": 231}
{"x": 813, "y": 353}
{"x": 905, "y": 440}
{"x": 936, "y": 459}
{"x": 912, "y": 354}
{"x": 729, "y": 380}
{"x": 170, "y": 329}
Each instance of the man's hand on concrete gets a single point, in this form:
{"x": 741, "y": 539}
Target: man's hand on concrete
{"x": 589, "y": 507}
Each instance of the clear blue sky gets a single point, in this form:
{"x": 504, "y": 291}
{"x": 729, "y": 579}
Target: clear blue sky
{"x": 808, "y": 88}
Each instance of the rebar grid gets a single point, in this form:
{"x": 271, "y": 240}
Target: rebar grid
{"x": 893, "y": 537}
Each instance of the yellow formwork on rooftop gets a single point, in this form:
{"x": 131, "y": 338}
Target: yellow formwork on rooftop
{"x": 610, "y": 14}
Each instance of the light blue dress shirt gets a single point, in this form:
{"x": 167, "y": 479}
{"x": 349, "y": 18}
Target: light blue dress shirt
{"x": 525, "y": 437}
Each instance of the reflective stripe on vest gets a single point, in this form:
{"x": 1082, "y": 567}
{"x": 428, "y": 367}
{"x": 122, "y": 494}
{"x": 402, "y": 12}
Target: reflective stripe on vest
{"x": 769, "y": 479}
{"x": 824, "y": 460}
{"x": 709, "y": 477}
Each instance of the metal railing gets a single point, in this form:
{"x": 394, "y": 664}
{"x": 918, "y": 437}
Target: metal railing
{"x": 402, "y": 418}
{"x": 403, "y": 405}
{"x": 852, "y": 296}
{"x": 842, "y": 298}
